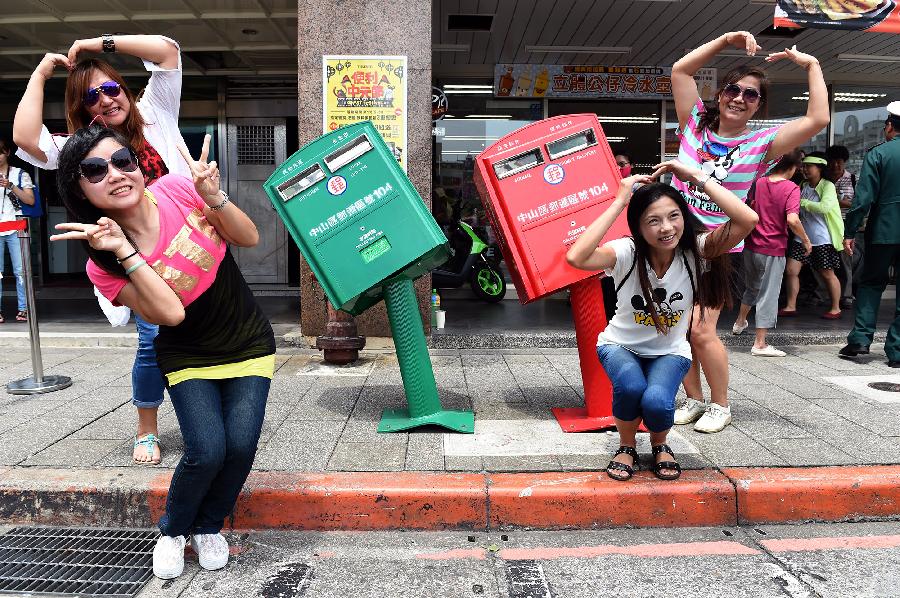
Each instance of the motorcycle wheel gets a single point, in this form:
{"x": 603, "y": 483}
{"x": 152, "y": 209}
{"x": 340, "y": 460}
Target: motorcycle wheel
{"x": 488, "y": 284}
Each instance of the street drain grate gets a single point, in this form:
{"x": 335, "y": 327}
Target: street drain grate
{"x": 885, "y": 386}
{"x": 76, "y": 561}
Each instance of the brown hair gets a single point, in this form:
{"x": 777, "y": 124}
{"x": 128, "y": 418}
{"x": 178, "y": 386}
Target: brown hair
{"x": 792, "y": 159}
{"x": 709, "y": 118}
{"x": 77, "y": 115}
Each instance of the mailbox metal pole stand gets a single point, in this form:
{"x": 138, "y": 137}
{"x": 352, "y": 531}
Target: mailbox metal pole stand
{"x": 415, "y": 368}
{"x": 590, "y": 320}
{"x": 38, "y": 382}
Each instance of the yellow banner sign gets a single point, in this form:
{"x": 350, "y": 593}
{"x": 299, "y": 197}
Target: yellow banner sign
{"x": 356, "y": 88}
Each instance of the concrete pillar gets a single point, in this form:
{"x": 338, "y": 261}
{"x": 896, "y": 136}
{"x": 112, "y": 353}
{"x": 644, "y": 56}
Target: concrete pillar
{"x": 365, "y": 27}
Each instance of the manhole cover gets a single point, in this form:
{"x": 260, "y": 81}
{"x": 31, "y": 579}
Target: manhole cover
{"x": 73, "y": 561}
{"x": 885, "y": 386}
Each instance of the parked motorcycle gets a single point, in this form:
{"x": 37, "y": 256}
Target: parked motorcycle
{"x": 473, "y": 261}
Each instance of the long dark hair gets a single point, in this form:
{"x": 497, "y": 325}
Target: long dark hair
{"x": 709, "y": 118}
{"x": 713, "y": 287}
{"x": 68, "y": 176}
{"x": 77, "y": 116}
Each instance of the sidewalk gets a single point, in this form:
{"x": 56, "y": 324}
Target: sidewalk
{"x": 66, "y": 456}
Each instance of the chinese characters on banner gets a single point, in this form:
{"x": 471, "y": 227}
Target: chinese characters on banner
{"x": 372, "y": 88}
{"x": 590, "y": 81}
{"x": 872, "y": 15}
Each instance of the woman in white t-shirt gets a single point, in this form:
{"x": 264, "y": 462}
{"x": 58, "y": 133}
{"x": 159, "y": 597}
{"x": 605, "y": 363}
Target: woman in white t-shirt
{"x": 645, "y": 348}
{"x": 15, "y": 189}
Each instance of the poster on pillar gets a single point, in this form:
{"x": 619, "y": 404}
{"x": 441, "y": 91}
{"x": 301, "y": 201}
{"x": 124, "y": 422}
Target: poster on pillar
{"x": 356, "y": 88}
{"x": 593, "y": 81}
{"x": 869, "y": 15}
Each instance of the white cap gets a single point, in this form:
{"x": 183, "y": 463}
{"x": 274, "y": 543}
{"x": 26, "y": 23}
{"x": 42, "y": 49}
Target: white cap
{"x": 894, "y": 108}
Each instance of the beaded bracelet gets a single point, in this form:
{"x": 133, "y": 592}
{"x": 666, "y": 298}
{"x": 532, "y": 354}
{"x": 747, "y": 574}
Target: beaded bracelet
{"x": 135, "y": 267}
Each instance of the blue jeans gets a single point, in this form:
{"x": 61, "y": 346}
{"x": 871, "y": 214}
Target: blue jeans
{"x": 147, "y": 382}
{"x": 220, "y": 422}
{"x": 11, "y": 242}
{"x": 643, "y": 387}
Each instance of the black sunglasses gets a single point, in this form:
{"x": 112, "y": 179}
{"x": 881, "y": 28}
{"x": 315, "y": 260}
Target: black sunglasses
{"x": 110, "y": 89}
{"x": 733, "y": 90}
{"x": 95, "y": 169}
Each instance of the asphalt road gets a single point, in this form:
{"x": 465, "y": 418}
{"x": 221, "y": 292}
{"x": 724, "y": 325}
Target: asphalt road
{"x": 814, "y": 560}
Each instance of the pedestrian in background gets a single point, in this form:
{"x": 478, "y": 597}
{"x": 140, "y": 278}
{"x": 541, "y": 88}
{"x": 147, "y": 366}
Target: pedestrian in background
{"x": 820, "y": 215}
{"x": 878, "y": 197}
{"x": 16, "y": 188}
{"x": 718, "y": 140}
{"x": 776, "y": 200}
{"x": 645, "y": 349}
{"x": 844, "y": 181}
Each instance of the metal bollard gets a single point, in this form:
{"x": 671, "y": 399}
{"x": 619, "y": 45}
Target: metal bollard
{"x": 38, "y": 382}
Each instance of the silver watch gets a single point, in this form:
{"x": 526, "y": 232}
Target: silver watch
{"x": 701, "y": 184}
{"x": 224, "y": 203}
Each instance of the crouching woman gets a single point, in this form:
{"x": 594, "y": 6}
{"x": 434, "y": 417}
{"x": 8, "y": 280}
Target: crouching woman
{"x": 163, "y": 252}
{"x": 667, "y": 264}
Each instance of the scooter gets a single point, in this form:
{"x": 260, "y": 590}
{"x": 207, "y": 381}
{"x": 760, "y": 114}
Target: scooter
{"x": 479, "y": 267}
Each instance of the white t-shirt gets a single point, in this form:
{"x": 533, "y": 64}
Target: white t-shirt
{"x": 159, "y": 105}
{"x": 8, "y": 211}
{"x": 632, "y": 327}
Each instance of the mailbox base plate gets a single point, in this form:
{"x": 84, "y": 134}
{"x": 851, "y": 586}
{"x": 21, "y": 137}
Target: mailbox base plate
{"x": 397, "y": 420}
{"x": 576, "y": 419}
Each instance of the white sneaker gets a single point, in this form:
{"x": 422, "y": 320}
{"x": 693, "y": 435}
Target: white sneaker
{"x": 211, "y": 549}
{"x": 739, "y": 328}
{"x": 714, "y": 420}
{"x": 767, "y": 351}
{"x": 168, "y": 557}
{"x": 688, "y": 410}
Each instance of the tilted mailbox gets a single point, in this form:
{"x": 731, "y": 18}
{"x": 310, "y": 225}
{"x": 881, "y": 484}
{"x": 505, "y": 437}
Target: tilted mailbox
{"x": 366, "y": 235}
{"x": 542, "y": 186}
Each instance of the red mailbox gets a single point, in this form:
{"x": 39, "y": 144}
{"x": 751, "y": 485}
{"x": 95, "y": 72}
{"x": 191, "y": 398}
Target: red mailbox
{"x": 541, "y": 186}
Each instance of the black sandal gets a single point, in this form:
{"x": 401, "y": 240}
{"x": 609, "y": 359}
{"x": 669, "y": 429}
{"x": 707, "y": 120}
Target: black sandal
{"x": 628, "y": 470}
{"x": 673, "y": 465}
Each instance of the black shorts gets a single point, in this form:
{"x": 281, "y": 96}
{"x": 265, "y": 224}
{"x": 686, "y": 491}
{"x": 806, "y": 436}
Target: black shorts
{"x": 822, "y": 257}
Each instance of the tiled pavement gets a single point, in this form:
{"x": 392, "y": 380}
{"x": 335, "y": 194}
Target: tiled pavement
{"x": 797, "y": 411}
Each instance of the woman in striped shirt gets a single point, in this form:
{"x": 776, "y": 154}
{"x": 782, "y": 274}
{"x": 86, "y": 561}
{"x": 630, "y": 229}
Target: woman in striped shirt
{"x": 716, "y": 138}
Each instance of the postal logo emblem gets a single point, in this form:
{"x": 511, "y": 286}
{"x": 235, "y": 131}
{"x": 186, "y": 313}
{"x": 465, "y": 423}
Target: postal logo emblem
{"x": 337, "y": 185}
{"x": 554, "y": 174}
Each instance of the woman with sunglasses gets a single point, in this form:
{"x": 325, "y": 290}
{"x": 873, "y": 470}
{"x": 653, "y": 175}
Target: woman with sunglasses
{"x": 96, "y": 91}
{"x": 163, "y": 251}
{"x": 717, "y": 139}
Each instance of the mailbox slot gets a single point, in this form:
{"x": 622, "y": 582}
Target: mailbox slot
{"x": 347, "y": 154}
{"x": 571, "y": 144}
{"x": 518, "y": 163}
{"x": 300, "y": 182}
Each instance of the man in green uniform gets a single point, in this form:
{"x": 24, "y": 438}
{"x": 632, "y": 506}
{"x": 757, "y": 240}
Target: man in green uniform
{"x": 878, "y": 196}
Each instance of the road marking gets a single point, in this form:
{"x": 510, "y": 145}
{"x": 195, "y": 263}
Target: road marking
{"x": 510, "y": 438}
{"x": 679, "y": 549}
{"x": 478, "y": 554}
{"x": 813, "y": 544}
{"x": 291, "y": 581}
{"x": 526, "y": 580}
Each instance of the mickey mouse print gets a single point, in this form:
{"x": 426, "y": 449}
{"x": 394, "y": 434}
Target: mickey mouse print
{"x": 669, "y": 313}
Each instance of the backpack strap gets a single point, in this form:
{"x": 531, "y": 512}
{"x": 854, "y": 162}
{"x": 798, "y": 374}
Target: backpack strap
{"x": 630, "y": 270}
{"x": 693, "y": 292}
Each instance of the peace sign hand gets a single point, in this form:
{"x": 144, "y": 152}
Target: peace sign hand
{"x": 106, "y": 235}
{"x": 205, "y": 174}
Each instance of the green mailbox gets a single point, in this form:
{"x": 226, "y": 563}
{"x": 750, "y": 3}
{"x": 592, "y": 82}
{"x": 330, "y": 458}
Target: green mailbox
{"x": 366, "y": 234}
